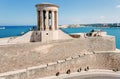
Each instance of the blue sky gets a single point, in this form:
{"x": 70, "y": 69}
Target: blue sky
{"x": 23, "y": 12}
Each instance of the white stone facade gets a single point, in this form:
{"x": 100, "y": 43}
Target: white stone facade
{"x": 47, "y": 15}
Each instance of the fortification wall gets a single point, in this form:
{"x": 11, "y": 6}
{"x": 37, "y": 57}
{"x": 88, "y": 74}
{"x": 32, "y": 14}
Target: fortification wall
{"x": 20, "y": 56}
{"x": 106, "y": 43}
{"x": 63, "y": 35}
{"x": 21, "y": 39}
{"x": 54, "y": 35}
{"x": 102, "y": 43}
{"x": 46, "y": 36}
{"x": 93, "y": 61}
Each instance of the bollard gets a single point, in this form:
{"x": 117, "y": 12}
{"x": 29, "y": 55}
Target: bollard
{"x": 93, "y": 52}
{"x": 87, "y": 67}
{"x": 58, "y": 73}
{"x": 79, "y": 70}
{"x": 115, "y": 70}
{"x": 68, "y": 71}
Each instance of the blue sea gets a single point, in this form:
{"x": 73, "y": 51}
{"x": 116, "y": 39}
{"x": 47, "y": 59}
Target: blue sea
{"x": 10, "y": 31}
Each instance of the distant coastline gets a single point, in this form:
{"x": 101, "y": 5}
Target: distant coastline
{"x": 106, "y": 25}
{"x": 103, "y": 25}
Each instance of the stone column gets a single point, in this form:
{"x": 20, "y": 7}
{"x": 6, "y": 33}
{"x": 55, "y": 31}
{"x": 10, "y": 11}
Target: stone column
{"x": 38, "y": 17}
{"x": 41, "y": 20}
{"x": 46, "y": 23}
{"x": 53, "y": 21}
{"x": 56, "y": 20}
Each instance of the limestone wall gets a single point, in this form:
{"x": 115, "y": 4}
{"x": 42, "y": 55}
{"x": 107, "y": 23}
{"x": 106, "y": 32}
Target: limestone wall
{"x": 63, "y": 35}
{"x": 106, "y": 43}
{"x": 46, "y": 36}
{"x": 93, "y": 34}
{"x": 20, "y": 56}
{"x": 32, "y": 36}
{"x": 54, "y": 35}
{"x": 49, "y": 35}
{"x": 35, "y": 36}
{"x": 22, "y": 39}
{"x": 94, "y": 61}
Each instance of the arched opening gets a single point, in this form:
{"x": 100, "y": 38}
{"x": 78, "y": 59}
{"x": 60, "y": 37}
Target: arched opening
{"x": 50, "y": 20}
{"x": 44, "y": 18}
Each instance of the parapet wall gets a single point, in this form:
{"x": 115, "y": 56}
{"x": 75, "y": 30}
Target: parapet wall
{"x": 93, "y": 61}
{"x": 90, "y": 44}
{"x": 45, "y": 36}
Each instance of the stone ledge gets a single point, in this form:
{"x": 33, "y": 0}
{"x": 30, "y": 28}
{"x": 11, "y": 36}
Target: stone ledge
{"x": 74, "y": 57}
{"x": 53, "y": 63}
{"x": 36, "y": 67}
{"x": 67, "y": 59}
{"x": 12, "y": 72}
{"x": 60, "y": 61}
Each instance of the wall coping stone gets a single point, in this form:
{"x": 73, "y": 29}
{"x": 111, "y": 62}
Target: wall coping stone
{"x": 53, "y": 63}
{"x": 36, "y": 67}
{"x": 60, "y": 61}
{"x": 67, "y": 59}
{"x": 12, "y": 72}
{"x": 74, "y": 57}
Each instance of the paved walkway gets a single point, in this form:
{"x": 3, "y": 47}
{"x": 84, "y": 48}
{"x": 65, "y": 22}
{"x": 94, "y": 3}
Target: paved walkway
{"x": 91, "y": 74}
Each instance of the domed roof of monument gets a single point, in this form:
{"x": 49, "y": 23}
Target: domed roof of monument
{"x": 46, "y": 3}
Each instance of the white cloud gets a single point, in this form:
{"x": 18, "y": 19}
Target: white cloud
{"x": 102, "y": 17}
{"x": 118, "y": 6}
